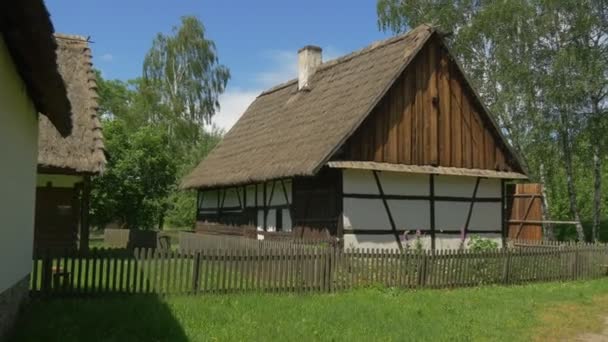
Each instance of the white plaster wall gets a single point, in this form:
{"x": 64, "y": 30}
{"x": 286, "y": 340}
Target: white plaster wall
{"x": 278, "y": 198}
{"x": 260, "y": 225}
{"x": 286, "y": 221}
{"x": 231, "y": 198}
{"x": 359, "y": 182}
{"x": 461, "y": 186}
{"x": 370, "y": 241}
{"x": 412, "y": 215}
{"x": 209, "y": 199}
{"x": 250, "y": 195}
{"x": 395, "y": 183}
{"x": 453, "y": 216}
{"x": 271, "y": 221}
{"x": 362, "y": 213}
{"x": 57, "y": 181}
{"x": 18, "y": 153}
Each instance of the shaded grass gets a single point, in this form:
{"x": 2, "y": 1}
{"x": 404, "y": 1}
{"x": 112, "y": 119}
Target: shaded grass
{"x": 479, "y": 314}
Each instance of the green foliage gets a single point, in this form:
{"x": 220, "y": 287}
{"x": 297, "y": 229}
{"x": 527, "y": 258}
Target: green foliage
{"x": 474, "y": 314}
{"x": 156, "y": 119}
{"x": 183, "y": 70}
{"x": 477, "y": 243}
{"x": 542, "y": 69}
{"x": 139, "y": 176}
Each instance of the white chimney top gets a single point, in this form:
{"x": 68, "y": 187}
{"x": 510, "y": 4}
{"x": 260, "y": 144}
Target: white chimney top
{"x": 309, "y": 59}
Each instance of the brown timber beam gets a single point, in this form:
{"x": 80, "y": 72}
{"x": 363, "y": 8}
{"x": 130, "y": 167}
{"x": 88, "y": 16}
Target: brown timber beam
{"x": 388, "y": 210}
{"x": 465, "y": 228}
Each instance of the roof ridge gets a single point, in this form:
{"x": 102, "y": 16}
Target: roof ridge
{"x": 374, "y": 46}
{"x": 345, "y": 58}
{"x": 66, "y": 36}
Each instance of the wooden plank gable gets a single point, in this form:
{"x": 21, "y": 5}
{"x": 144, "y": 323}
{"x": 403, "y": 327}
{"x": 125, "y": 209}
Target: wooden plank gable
{"x": 430, "y": 117}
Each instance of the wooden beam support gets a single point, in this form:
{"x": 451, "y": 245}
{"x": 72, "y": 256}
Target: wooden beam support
{"x": 388, "y": 210}
{"x": 287, "y": 200}
{"x": 427, "y": 198}
{"x": 465, "y": 228}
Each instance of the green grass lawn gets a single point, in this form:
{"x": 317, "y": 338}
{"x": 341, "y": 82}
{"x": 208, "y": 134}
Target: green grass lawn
{"x": 543, "y": 312}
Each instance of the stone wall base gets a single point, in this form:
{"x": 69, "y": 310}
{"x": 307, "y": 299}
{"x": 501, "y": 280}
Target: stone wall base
{"x": 10, "y": 303}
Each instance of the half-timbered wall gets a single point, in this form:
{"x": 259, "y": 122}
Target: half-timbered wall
{"x": 379, "y": 207}
{"x": 429, "y": 117}
{"x": 263, "y": 205}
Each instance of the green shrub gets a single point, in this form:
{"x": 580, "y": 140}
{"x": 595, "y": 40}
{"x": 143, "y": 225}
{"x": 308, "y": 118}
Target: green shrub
{"x": 477, "y": 243}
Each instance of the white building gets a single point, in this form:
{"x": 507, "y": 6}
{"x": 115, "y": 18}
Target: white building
{"x": 29, "y": 84}
{"x": 382, "y": 148}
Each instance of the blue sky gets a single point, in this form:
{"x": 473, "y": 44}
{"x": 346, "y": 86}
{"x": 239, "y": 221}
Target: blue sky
{"x": 257, "y": 40}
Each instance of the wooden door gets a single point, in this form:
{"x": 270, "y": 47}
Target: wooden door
{"x": 524, "y": 211}
{"x": 56, "y": 221}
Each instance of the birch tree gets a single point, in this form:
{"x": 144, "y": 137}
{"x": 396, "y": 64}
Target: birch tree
{"x": 184, "y": 70}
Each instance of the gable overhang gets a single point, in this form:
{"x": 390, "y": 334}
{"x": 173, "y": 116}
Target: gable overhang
{"x": 426, "y": 169}
{"x": 513, "y": 155}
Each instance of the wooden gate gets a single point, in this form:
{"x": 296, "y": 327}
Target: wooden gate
{"x": 524, "y": 210}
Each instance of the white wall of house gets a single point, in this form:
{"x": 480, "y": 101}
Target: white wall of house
{"x": 363, "y": 216}
{"x": 236, "y": 199}
{"x": 18, "y": 152}
{"x": 57, "y": 181}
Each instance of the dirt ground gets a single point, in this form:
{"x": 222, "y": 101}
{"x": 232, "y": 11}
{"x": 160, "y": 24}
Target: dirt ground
{"x": 601, "y": 337}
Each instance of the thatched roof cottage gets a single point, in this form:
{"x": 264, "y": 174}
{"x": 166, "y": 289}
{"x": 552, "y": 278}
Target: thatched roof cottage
{"x": 383, "y": 141}
{"x": 65, "y": 164}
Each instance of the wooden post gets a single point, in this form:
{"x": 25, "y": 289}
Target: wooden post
{"x": 84, "y": 214}
{"x": 432, "y": 209}
{"x": 195, "y": 272}
{"x": 422, "y": 270}
{"x": 503, "y": 219}
{"x": 507, "y": 267}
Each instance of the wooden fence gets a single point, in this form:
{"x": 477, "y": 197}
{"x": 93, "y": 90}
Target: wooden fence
{"x": 304, "y": 269}
{"x": 202, "y": 241}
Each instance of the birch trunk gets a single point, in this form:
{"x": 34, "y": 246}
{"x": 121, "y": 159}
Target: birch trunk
{"x": 567, "y": 153}
{"x": 597, "y": 192}
{"x": 548, "y": 231}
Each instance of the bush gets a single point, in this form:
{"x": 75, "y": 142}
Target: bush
{"x": 477, "y": 243}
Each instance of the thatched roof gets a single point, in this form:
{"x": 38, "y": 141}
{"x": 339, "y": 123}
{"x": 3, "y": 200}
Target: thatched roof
{"x": 83, "y": 150}
{"x": 28, "y": 33}
{"x": 286, "y": 132}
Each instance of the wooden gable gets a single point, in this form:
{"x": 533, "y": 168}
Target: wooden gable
{"x": 430, "y": 116}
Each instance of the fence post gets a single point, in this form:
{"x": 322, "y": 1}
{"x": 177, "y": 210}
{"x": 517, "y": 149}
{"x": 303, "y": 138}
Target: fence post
{"x": 575, "y": 265}
{"x": 195, "y": 272}
{"x": 422, "y": 270}
{"x": 507, "y": 267}
{"x": 47, "y": 272}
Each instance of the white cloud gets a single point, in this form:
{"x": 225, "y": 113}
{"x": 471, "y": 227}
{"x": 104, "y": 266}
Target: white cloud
{"x": 285, "y": 68}
{"x": 234, "y": 102}
{"x": 107, "y": 57}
